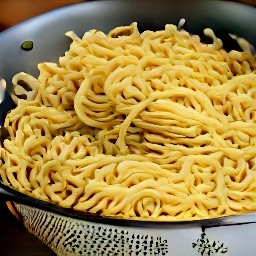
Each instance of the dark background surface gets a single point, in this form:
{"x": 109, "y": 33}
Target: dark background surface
{"x": 15, "y": 240}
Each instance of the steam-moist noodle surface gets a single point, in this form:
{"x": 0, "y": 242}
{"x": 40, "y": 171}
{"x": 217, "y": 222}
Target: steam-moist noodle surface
{"x": 152, "y": 125}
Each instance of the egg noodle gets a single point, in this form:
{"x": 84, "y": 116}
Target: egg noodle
{"x": 153, "y": 125}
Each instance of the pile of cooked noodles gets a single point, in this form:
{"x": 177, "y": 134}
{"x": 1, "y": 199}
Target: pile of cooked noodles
{"x": 153, "y": 125}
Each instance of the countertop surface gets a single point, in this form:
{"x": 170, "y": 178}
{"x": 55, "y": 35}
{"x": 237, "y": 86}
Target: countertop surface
{"x": 15, "y": 11}
{"x": 15, "y": 240}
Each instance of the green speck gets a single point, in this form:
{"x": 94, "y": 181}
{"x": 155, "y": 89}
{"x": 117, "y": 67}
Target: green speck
{"x": 27, "y": 45}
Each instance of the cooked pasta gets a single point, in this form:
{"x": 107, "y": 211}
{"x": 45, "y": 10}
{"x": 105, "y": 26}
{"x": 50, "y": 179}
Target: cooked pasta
{"x": 153, "y": 125}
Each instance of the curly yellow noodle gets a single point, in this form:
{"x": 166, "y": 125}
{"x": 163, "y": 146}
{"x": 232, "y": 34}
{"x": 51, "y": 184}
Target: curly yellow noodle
{"x": 154, "y": 125}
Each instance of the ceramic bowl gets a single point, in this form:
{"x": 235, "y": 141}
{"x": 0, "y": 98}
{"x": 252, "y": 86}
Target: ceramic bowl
{"x": 68, "y": 232}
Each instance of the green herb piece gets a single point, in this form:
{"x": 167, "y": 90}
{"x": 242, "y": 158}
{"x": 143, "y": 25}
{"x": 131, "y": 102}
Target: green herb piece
{"x": 27, "y": 45}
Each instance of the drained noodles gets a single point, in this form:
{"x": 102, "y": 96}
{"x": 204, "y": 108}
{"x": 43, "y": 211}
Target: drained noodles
{"x": 152, "y": 125}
